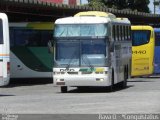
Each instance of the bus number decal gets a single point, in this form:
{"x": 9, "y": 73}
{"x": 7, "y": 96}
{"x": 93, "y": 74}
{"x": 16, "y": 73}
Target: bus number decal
{"x": 139, "y": 52}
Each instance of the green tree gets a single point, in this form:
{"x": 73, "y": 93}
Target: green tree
{"x": 135, "y": 5}
{"x": 96, "y": 3}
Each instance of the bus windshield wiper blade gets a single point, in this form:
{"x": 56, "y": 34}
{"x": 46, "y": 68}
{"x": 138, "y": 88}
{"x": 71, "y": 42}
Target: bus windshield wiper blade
{"x": 69, "y": 63}
{"x": 89, "y": 63}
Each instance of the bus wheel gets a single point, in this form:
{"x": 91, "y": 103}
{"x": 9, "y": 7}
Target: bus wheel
{"x": 125, "y": 78}
{"x": 63, "y": 89}
{"x": 112, "y": 82}
{"x": 127, "y": 72}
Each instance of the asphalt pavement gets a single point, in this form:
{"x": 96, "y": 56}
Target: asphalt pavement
{"x": 142, "y": 95}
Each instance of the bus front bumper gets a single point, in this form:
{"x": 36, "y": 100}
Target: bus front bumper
{"x": 81, "y": 80}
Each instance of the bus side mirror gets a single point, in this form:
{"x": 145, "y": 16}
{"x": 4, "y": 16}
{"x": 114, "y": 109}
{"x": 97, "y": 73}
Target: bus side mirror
{"x": 50, "y": 46}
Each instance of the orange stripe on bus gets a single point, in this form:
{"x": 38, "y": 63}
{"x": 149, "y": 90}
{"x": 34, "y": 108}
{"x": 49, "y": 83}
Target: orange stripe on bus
{"x": 4, "y": 54}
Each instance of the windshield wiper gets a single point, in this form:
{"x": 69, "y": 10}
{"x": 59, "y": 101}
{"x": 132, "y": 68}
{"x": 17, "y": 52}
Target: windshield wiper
{"x": 69, "y": 63}
{"x": 89, "y": 63}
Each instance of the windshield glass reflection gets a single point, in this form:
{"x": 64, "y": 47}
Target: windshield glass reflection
{"x": 80, "y": 53}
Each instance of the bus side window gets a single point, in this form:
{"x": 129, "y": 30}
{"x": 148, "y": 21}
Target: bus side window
{"x": 11, "y": 35}
{"x": 114, "y": 33}
{"x": 124, "y": 33}
{"x": 129, "y": 32}
{"x": 157, "y": 39}
{"x": 1, "y": 32}
{"x": 116, "y": 36}
{"x": 121, "y": 33}
{"x": 20, "y": 37}
{"x": 46, "y": 36}
{"x": 117, "y": 32}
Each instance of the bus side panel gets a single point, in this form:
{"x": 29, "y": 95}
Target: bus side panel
{"x": 157, "y": 60}
{"x": 143, "y": 54}
{"x": 142, "y": 60}
{"x": 1, "y": 68}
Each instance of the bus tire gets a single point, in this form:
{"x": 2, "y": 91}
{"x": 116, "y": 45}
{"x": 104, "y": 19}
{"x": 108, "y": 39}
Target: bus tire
{"x": 125, "y": 78}
{"x": 112, "y": 82}
{"x": 127, "y": 72}
{"x": 63, "y": 89}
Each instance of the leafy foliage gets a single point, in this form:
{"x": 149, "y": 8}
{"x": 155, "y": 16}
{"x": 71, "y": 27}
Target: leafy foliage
{"x": 135, "y": 5}
{"x": 96, "y": 3}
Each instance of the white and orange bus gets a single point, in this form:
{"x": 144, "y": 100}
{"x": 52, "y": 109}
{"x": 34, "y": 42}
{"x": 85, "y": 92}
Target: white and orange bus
{"x": 4, "y": 50}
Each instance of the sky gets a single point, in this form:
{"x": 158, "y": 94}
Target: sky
{"x": 150, "y": 6}
{"x": 84, "y": 1}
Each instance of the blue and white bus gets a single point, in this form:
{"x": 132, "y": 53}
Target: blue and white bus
{"x": 4, "y": 50}
{"x": 157, "y": 51}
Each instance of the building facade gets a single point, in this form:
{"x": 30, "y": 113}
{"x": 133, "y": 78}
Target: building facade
{"x": 67, "y": 2}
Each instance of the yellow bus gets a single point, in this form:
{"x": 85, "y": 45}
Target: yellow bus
{"x": 143, "y": 42}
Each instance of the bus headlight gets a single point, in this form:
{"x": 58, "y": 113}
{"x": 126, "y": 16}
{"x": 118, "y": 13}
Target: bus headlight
{"x": 100, "y": 79}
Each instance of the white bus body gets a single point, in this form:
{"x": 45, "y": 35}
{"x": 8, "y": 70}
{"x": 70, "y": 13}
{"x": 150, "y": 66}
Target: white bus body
{"x": 4, "y": 50}
{"x": 108, "y": 66}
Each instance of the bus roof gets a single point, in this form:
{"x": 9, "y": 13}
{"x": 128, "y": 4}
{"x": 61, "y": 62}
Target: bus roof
{"x": 4, "y": 16}
{"x": 89, "y": 20}
{"x": 82, "y": 20}
{"x": 95, "y": 14}
{"x": 141, "y": 27}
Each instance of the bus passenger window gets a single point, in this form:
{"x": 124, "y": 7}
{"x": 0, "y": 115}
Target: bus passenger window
{"x": 124, "y": 33}
{"x": 157, "y": 39}
{"x": 46, "y": 35}
{"x": 114, "y": 33}
{"x": 117, "y": 32}
{"x": 19, "y": 37}
{"x": 121, "y": 33}
{"x": 11, "y": 35}
{"x": 129, "y": 32}
{"x": 140, "y": 37}
{"x": 1, "y": 32}
{"x": 120, "y": 36}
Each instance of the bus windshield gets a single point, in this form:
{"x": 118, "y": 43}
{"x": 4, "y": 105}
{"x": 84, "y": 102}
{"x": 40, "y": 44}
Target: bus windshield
{"x": 140, "y": 37}
{"x": 75, "y": 30}
{"x": 77, "y": 53}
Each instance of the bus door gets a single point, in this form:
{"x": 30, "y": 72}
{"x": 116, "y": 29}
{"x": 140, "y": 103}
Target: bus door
{"x": 157, "y": 53}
